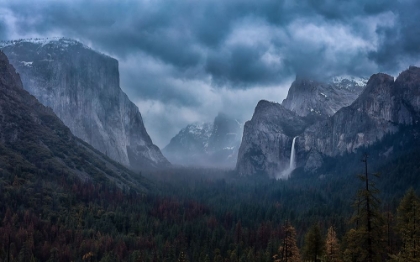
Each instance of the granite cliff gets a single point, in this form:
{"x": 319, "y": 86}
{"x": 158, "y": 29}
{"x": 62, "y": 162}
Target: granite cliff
{"x": 34, "y": 142}
{"x": 82, "y": 87}
{"x": 382, "y": 108}
{"x": 267, "y": 139}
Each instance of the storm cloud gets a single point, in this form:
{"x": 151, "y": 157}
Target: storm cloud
{"x": 184, "y": 60}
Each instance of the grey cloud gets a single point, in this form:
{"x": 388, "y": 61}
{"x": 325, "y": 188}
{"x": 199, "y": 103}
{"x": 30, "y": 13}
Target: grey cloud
{"x": 401, "y": 43}
{"x": 169, "y": 49}
{"x": 3, "y": 30}
{"x": 242, "y": 66}
{"x": 157, "y": 87}
{"x": 192, "y": 34}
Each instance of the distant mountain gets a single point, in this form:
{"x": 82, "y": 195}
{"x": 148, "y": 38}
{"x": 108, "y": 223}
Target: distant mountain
{"x": 82, "y": 87}
{"x": 35, "y": 142}
{"x": 207, "y": 145}
{"x": 319, "y": 100}
{"x": 384, "y": 107}
{"x": 190, "y": 145}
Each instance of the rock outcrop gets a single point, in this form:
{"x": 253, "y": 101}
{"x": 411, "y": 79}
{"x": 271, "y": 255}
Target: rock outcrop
{"x": 82, "y": 87}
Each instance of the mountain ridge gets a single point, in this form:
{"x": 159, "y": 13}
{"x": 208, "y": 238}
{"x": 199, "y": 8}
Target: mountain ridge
{"x": 383, "y": 105}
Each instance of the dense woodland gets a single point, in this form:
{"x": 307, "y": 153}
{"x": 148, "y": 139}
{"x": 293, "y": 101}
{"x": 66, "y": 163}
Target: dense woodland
{"x": 211, "y": 215}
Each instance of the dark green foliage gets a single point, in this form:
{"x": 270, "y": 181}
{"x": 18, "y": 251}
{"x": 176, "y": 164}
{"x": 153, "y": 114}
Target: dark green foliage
{"x": 365, "y": 239}
{"x": 314, "y": 244}
{"x": 408, "y": 226}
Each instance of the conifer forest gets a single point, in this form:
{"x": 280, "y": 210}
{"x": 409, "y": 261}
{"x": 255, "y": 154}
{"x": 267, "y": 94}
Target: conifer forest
{"x": 208, "y": 215}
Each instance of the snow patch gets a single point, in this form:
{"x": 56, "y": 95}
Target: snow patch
{"x": 59, "y": 42}
{"x": 199, "y": 128}
{"x": 358, "y": 81}
{"x": 26, "y": 63}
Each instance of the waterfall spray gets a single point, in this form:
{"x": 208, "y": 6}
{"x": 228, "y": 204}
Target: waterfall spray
{"x": 286, "y": 173}
{"x": 292, "y": 155}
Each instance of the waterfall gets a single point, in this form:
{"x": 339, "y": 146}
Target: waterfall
{"x": 285, "y": 174}
{"x": 293, "y": 155}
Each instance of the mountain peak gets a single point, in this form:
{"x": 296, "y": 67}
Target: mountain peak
{"x": 321, "y": 99}
{"x": 379, "y": 77}
{"x": 209, "y": 144}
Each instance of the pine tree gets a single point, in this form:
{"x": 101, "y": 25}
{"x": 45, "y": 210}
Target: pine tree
{"x": 365, "y": 242}
{"x": 182, "y": 257}
{"x": 217, "y": 256}
{"x": 332, "y": 248}
{"x": 288, "y": 251}
{"x": 314, "y": 244}
{"x": 408, "y": 227}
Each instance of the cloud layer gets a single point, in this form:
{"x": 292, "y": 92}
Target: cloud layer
{"x": 185, "y": 60}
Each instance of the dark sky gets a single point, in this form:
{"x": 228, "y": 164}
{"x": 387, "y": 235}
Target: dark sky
{"x": 183, "y": 61}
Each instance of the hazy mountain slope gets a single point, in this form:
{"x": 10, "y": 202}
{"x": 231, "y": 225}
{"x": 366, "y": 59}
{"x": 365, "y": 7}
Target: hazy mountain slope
{"x": 35, "y": 141}
{"x": 190, "y": 145}
{"x": 208, "y": 145}
{"x": 224, "y": 142}
{"x": 82, "y": 87}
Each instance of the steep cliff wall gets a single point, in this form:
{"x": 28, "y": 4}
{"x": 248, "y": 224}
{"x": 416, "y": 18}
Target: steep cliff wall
{"x": 34, "y": 142}
{"x": 82, "y": 87}
{"x": 267, "y": 139}
{"x": 383, "y": 107}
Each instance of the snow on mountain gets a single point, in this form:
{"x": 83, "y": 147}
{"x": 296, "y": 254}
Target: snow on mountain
{"x": 207, "y": 144}
{"x": 349, "y": 81}
{"x": 319, "y": 100}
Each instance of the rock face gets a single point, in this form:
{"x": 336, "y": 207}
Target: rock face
{"x": 382, "y": 107}
{"x": 267, "y": 139}
{"x": 206, "y": 145}
{"x": 320, "y": 100}
{"x": 34, "y": 141}
{"x": 82, "y": 88}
